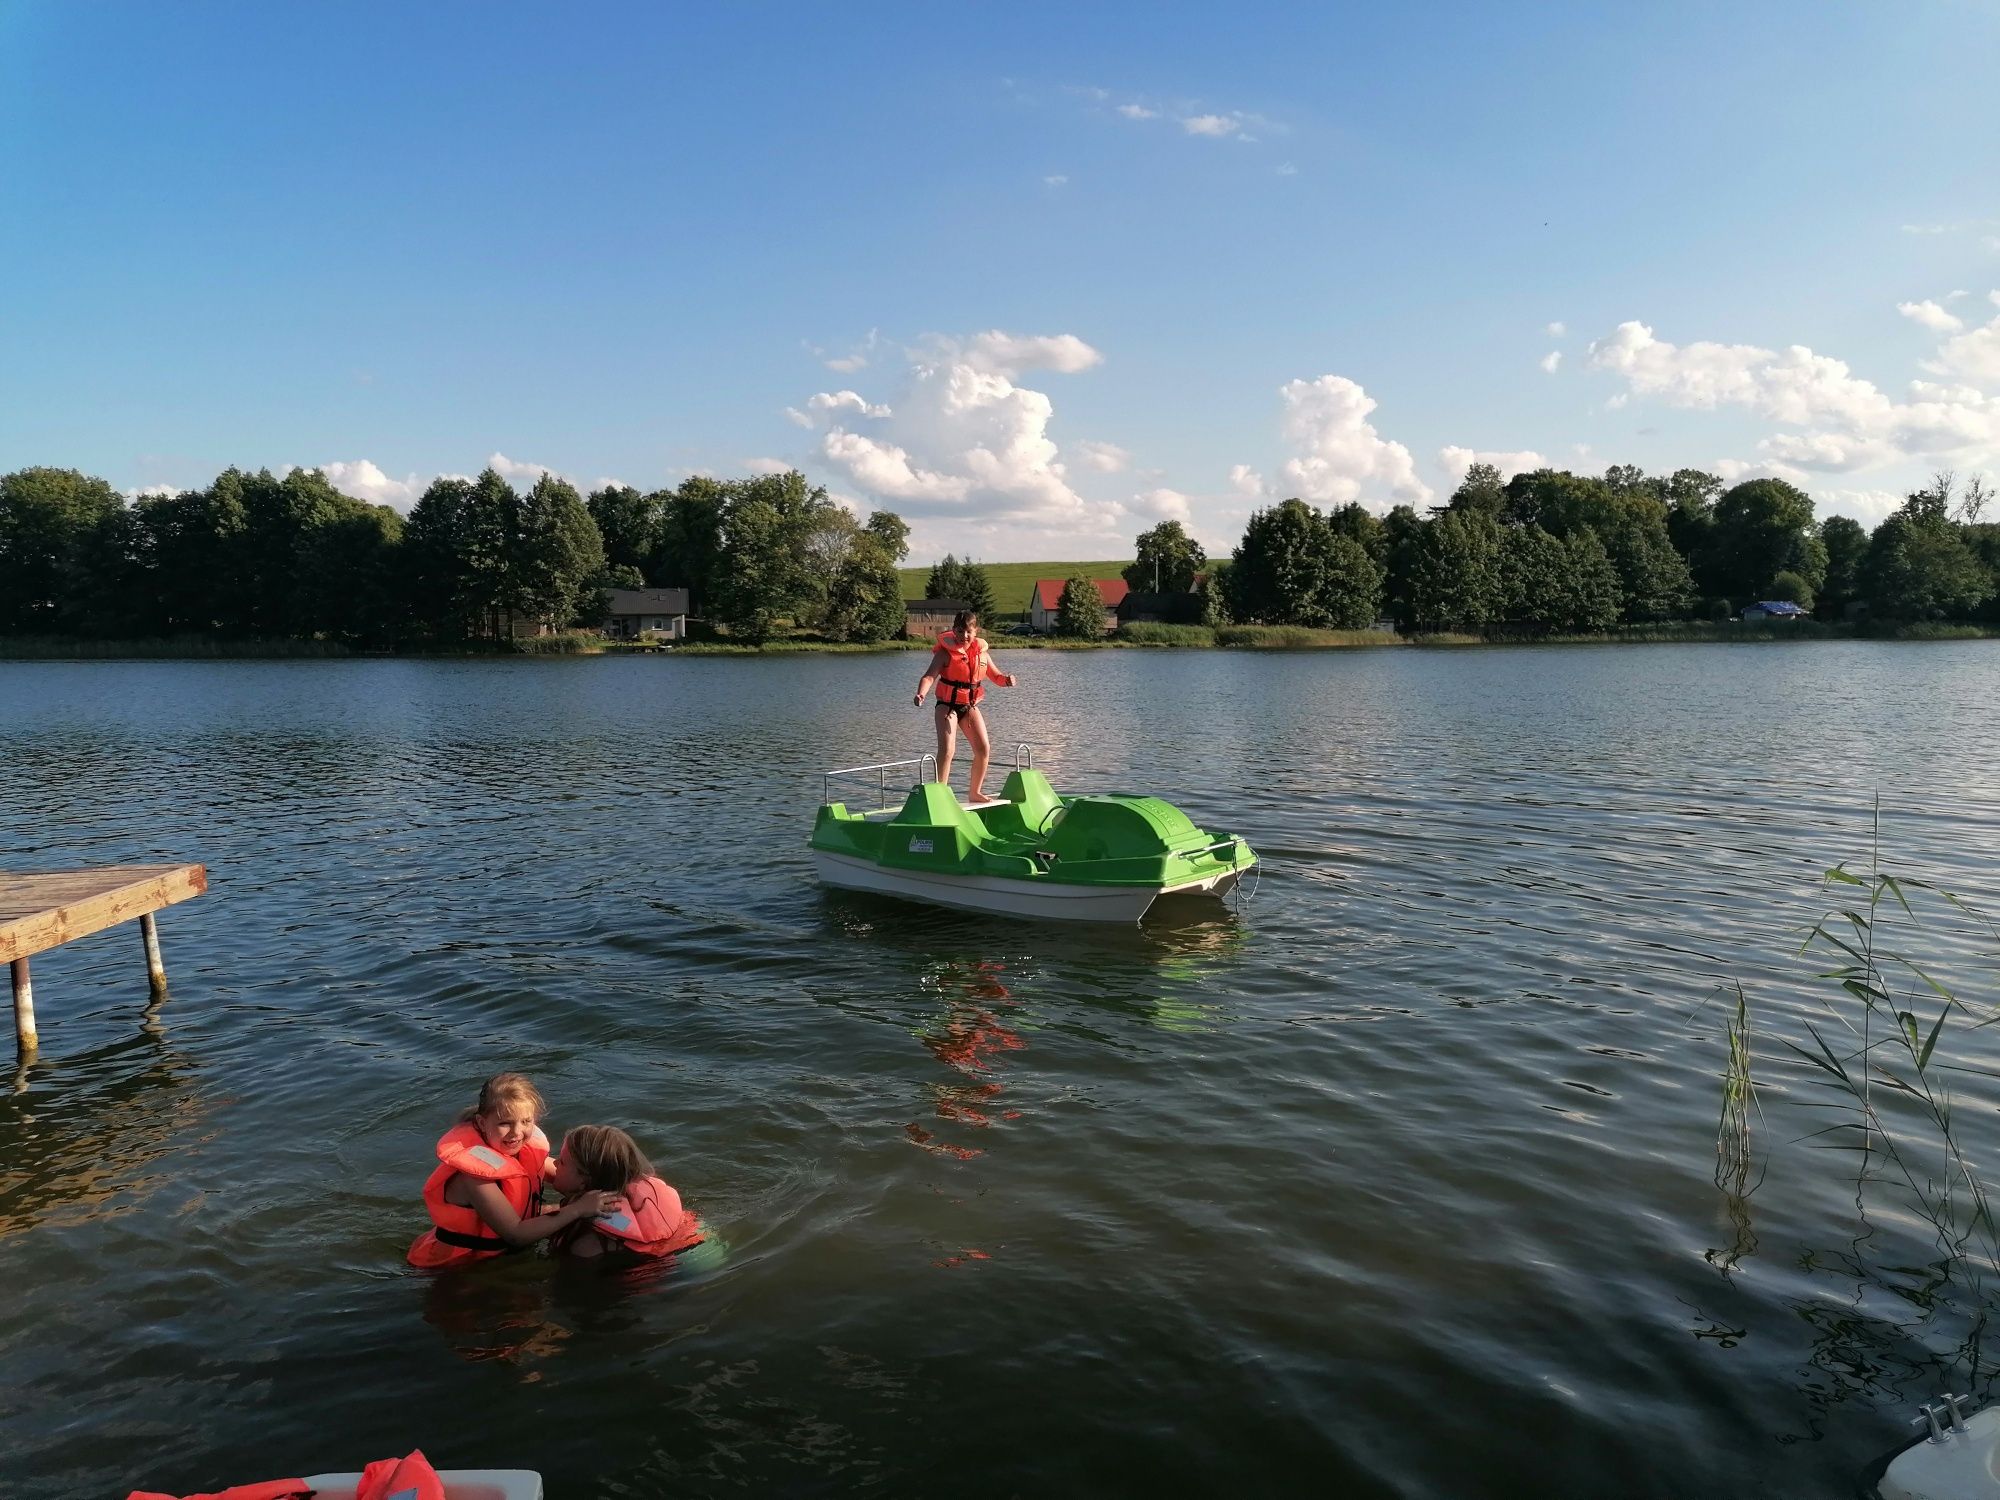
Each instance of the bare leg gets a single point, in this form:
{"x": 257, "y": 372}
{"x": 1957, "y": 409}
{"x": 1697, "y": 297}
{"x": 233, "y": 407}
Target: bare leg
{"x": 982, "y": 748}
{"x": 947, "y": 736}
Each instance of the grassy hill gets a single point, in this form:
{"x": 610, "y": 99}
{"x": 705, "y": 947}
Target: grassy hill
{"x": 1012, "y": 581}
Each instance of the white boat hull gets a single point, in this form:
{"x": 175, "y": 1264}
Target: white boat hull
{"x": 1015, "y": 898}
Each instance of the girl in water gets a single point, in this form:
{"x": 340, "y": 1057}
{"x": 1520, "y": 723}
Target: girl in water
{"x": 484, "y": 1197}
{"x": 646, "y": 1219}
{"x": 961, "y": 667}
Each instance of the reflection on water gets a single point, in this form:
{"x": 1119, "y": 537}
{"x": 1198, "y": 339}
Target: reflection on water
{"x": 97, "y": 1132}
{"x": 1394, "y": 1177}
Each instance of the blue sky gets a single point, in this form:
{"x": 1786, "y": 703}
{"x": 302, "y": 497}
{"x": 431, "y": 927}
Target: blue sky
{"x": 1032, "y": 276}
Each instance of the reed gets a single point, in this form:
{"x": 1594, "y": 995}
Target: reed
{"x": 1154, "y": 633}
{"x": 1881, "y": 1061}
{"x": 1299, "y": 637}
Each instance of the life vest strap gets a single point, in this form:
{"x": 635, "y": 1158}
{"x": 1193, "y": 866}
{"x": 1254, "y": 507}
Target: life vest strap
{"x": 458, "y": 1239}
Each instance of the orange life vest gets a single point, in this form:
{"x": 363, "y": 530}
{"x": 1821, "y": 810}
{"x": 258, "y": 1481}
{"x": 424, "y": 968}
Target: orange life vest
{"x": 964, "y": 681}
{"x": 459, "y": 1235}
{"x": 653, "y": 1222}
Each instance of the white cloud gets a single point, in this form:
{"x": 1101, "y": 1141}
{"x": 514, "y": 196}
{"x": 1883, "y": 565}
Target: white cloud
{"x": 1245, "y": 483}
{"x": 1455, "y": 461}
{"x": 1848, "y": 422}
{"x": 836, "y": 401}
{"x": 1556, "y": 330}
{"x": 847, "y": 364}
{"x": 1339, "y": 456}
{"x": 1286, "y": 169}
{"x": 1926, "y": 228}
{"x": 1931, "y": 316}
{"x": 1012, "y": 354}
{"x": 515, "y": 471}
{"x": 1161, "y": 505}
{"x": 768, "y": 465}
{"x": 1105, "y": 458}
{"x": 147, "y": 491}
{"x": 1869, "y": 507}
{"x": 1212, "y": 125}
{"x": 1736, "y": 470}
{"x": 364, "y": 481}
{"x": 1552, "y": 360}
{"x": 1138, "y": 112}
{"x": 1056, "y": 179}
{"x": 964, "y": 437}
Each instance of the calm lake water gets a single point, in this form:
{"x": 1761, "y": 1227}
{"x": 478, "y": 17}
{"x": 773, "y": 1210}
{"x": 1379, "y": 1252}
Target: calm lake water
{"x": 1396, "y": 1180}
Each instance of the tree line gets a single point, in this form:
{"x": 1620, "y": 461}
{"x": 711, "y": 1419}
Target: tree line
{"x": 1550, "y": 552}
{"x": 263, "y": 555}
{"x": 288, "y": 556}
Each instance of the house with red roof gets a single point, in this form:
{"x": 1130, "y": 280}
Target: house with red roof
{"x": 1045, "y": 603}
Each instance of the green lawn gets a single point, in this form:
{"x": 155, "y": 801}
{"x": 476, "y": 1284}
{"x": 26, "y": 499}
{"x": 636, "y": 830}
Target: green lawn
{"x": 1012, "y": 581}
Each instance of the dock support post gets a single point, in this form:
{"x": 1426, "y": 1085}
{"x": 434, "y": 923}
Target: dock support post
{"x": 24, "y": 1009}
{"x": 156, "y": 971}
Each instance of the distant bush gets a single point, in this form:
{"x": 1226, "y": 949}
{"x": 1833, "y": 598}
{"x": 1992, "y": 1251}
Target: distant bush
{"x": 565, "y": 643}
{"x": 1153, "y": 633}
{"x": 1299, "y": 637}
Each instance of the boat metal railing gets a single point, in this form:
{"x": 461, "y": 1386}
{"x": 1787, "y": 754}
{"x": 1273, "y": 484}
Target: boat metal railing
{"x": 1024, "y": 756}
{"x": 881, "y": 768}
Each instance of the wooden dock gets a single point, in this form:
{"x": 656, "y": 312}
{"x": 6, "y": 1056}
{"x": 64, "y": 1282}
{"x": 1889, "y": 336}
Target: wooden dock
{"x": 47, "y": 909}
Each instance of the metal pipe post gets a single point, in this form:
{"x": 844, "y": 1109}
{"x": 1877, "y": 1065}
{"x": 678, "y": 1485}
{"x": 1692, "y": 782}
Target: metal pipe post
{"x": 156, "y": 971}
{"x": 24, "y": 1010}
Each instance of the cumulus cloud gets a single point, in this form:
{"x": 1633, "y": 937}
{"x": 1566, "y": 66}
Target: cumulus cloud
{"x": 1931, "y": 316}
{"x": 1245, "y": 483}
{"x": 515, "y": 471}
{"x": 364, "y": 481}
{"x": 1011, "y": 354}
{"x": 965, "y": 437}
{"x": 1161, "y": 505}
{"x": 148, "y": 491}
{"x": 1737, "y": 470}
{"x": 1138, "y": 112}
{"x": 837, "y": 401}
{"x": 1055, "y": 179}
{"x": 1338, "y": 454}
{"x": 1286, "y": 169}
{"x": 768, "y": 465}
{"x": 1847, "y": 423}
{"x": 1455, "y": 461}
{"x": 1552, "y": 360}
{"x": 1105, "y": 458}
{"x": 1556, "y": 330}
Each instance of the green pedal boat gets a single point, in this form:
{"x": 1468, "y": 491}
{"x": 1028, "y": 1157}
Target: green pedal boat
{"x": 1030, "y": 853}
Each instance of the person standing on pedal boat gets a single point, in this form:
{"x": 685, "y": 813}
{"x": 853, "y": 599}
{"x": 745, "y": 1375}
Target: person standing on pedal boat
{"x": 961, "y": 667}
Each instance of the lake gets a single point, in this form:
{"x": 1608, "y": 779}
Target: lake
{"x": 1394, "y": 1178}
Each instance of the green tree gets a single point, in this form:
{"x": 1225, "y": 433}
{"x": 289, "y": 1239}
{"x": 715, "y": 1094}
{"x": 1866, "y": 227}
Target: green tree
{"x": 1453, "y": 578}
{"x": 765, "y": 571}
{"x": 865, "y": 596}
{"x": 964, "y": 581}
{"x": 1401, "y": 530}
{"x": 1080, "y": 612}
{"x": 1535, "y": 593}
{"x": 1690, "y": 496}
{"x": 1846, "y": 545}
{"x": 1350, "y": 591}
{"x": 1629, "y": 519}
{"x": 186, "y": 544}
{"x": 689, "y": 552}
{"x": 1212, "y": 594}
{"x": 1761, "y": 528}
{"x": 1280, "y": 566}
{"x": 1599, "y": 599}
{"x": 629, "y": 524}
{"x": 1167, "y": 562}
{"x": 52, "y": 523}
{"x": 1482, "y": 490}
{"x": 1359, "y": 524}
{"x": 1919, "y": 567}
{"x": 442, "y": 597}
{"x": 1786, "y": 584}
{"x": 350, "y": 575}
{"x": 555, "y": 557}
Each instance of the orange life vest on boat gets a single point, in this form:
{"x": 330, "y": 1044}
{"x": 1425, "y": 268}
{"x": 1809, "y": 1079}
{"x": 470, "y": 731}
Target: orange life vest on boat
{"x": 459, "y": 1235}
{"x": 966, "y": 662}
{"x": 653, "y": 1222}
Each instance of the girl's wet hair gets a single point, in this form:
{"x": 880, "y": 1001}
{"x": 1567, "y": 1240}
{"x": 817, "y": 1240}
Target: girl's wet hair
{"x": 605, "y": 1157}
{"x": 506, "y": 1088}
{"x": 962, "y": 619}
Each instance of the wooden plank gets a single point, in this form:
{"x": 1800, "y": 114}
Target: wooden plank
{"x": 47, "y": 909}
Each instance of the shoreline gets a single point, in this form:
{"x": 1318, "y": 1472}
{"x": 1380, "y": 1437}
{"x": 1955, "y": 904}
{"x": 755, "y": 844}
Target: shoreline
{"x": 1184, "y": 638}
